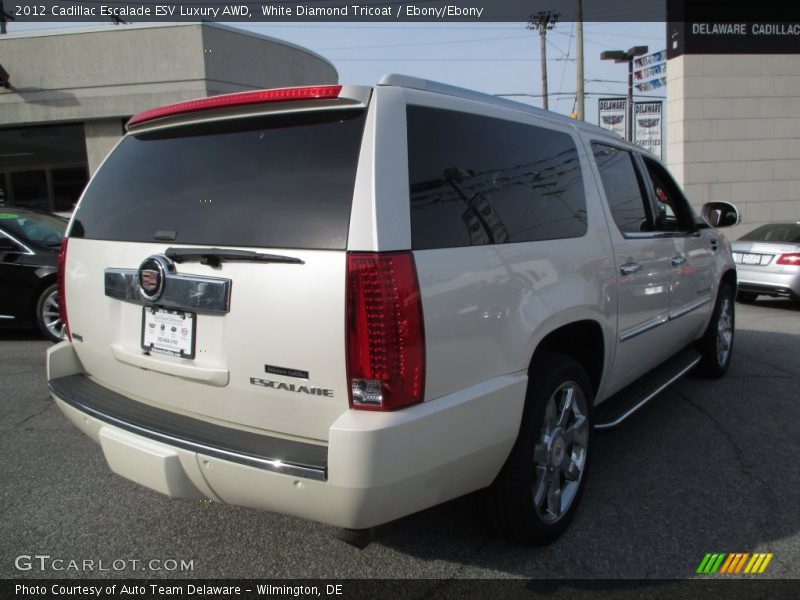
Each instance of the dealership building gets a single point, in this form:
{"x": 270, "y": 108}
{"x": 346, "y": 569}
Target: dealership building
{"x": 70, "y": 92}
{"x": 733, "y": 116}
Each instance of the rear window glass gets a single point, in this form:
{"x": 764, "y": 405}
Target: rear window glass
{"x": 478, "y": 180}
{"x": 283, "y": 181}
{"x": 774, "y": 232}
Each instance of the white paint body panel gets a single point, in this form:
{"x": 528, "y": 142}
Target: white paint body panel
{"x": 281, "y": 314}
{"x": 486, "y": 309}
{"x": 382, "y": 466}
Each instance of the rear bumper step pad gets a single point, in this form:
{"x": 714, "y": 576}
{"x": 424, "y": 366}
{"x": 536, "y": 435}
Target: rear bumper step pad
{"x": 289, "y": 457}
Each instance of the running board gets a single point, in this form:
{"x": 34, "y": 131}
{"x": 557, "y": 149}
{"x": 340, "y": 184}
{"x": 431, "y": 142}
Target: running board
{"x": 627, "y": 401}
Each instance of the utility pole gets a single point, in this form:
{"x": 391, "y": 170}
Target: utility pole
{"x": 542, "y": 21}
{"x": 579, "y": 95}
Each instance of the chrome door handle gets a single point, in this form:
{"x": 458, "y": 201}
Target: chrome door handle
{"x": 629, "y": 268}
{"x": 677, "y": 261}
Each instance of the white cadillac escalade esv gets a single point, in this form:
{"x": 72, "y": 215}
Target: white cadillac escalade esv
{"x": 353, "y": 303}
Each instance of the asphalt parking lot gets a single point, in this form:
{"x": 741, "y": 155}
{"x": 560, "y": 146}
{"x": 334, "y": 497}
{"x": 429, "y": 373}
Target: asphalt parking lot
{"x": 709, "y": 466}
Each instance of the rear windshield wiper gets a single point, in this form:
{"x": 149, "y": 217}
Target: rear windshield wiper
{"x": 214, "y": 256}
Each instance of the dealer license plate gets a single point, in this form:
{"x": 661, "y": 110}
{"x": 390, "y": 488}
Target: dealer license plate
{"x": 168, "y": 331}
{"x": 751, "y": 259}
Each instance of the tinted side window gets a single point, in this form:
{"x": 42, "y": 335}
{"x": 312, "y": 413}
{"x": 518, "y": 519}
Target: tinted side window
{"x": 477, "y": 180}
{"x": 283, "y": 181}
{"x": 672, "y": 209}
{"x": 9, "y": 245}
{"x": 40, "y": 228}
{"x": 623, "y": 191}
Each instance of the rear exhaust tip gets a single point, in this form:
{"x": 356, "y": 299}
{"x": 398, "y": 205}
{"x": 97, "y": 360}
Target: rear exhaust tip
{"x": 358, "y": 538}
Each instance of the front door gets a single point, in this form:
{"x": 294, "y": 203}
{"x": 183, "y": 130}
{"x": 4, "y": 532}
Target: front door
{"x": 643, "y": 266}
{"x": 691, "y": 255}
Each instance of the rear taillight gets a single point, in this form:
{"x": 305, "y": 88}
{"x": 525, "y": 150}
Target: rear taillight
{"x": 385, "y": 333}
{"x": 789, "y": 259}
{"x": 320, "y": 92}
{"x": 62, "y": 289}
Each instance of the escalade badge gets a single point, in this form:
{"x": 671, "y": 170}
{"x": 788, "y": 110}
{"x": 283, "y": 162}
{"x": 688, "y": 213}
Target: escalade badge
{"x": 152, "y": 273}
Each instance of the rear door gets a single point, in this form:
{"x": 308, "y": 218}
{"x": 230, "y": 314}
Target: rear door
{"x": 236, "y": 229}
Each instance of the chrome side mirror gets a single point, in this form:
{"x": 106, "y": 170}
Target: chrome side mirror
{"x": 720, "y": 214}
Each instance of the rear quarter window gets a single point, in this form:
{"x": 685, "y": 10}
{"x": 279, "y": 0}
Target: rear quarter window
{"x": 283, "y": 181}
{"x": 478, "y": 180}
{"x": 775, "y": 232}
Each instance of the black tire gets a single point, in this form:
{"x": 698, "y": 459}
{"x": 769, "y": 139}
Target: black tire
{"x": 47, "y": 315}
{"x": 716, "y": 345}
{"x": 746, "y": 297}
{"x": 519, "y": 501}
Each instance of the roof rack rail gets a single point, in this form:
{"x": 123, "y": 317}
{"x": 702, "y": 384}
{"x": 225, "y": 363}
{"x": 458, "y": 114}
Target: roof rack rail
{"x": 417, "y": 83}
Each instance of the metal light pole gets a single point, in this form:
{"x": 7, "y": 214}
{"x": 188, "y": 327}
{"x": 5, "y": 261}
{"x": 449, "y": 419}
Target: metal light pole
{"x": 579, "y": 95}
{"x": 622, "y": 56}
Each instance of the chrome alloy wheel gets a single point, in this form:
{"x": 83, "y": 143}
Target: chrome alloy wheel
{"x": 51, "y": 317}
{"x": 724, "y": 330}
{"x": 559, "y": 457}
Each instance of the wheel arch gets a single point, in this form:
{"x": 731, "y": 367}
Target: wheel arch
{"x": 584, "y": 342}
{"x": 36, "y": 291}
{"x": 729, "y": 277}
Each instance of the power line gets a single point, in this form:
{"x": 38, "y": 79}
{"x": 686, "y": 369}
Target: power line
{"x": 431, "y": 59}
{"x": 569, "y": 49}
{"x": 605, "y": 93}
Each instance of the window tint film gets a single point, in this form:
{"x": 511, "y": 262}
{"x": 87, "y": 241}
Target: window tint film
{"x": 476, "y": 180}
{"x": 621, "y": 185}
{"x": 283, "y": 181}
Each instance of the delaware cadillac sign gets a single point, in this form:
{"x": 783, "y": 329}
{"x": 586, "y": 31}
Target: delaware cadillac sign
{"x": 732, "y": 38}
{"x": 733, "y": 27}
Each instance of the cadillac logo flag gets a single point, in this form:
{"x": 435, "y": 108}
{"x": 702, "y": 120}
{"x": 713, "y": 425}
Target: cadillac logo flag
{"x": 611, "y": 113}
{"x": 647, "y": 126}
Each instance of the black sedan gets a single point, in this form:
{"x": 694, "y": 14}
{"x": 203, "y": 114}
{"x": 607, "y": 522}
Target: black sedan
{"x": 29, "y": 244}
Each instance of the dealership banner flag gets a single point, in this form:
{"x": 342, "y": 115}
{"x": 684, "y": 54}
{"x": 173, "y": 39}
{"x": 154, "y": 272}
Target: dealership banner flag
{"x": 650, "y": 59}
{"x": 647, "y": 126}
{"x": 650, "y": 72}
{"x": 651, "y": 85}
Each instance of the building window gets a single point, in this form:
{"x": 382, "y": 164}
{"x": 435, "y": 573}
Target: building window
{"x": 43, "y": 167}
{"x": 30, "y": 189}
{"x": 67, "y": 187}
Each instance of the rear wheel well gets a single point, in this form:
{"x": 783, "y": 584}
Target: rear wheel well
{"x": 729, "y": 277}
{"x": 583, "y": 342}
